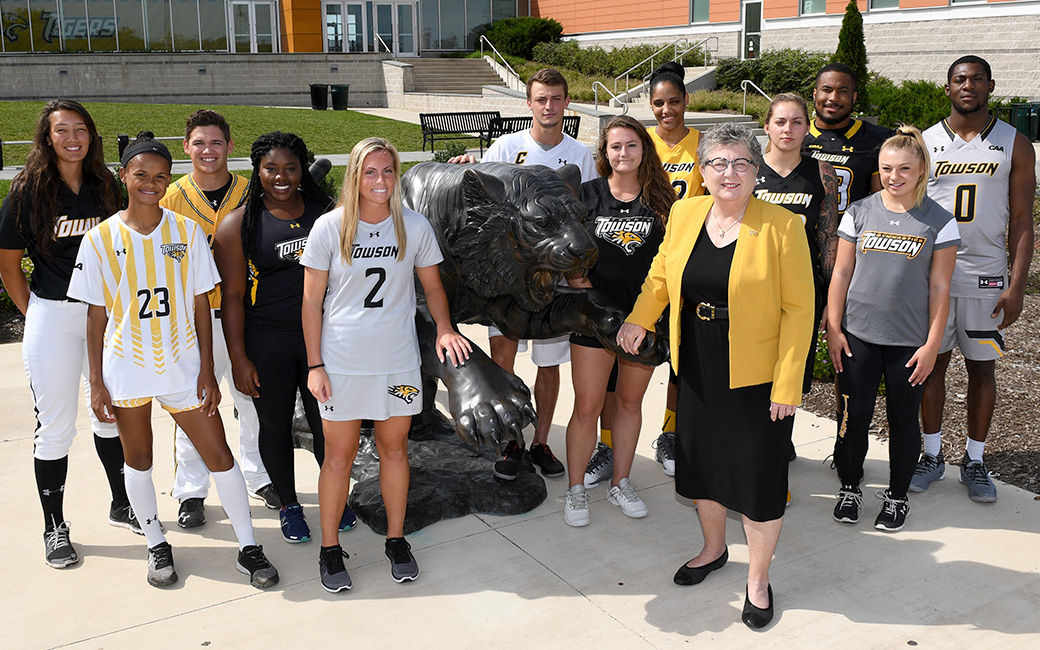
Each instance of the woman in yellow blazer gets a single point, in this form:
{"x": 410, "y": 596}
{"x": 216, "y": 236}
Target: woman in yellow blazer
{"x": 737, "y": 272}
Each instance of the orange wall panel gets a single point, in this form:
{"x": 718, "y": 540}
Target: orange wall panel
{"x": 301, "y": 25}
{"x": 780, "y": 9}
{"x": 838, "y": 6}
{"x": 722, "y": 11}
{"x": 607, "y": 15}
{"x": 913, "y": 4}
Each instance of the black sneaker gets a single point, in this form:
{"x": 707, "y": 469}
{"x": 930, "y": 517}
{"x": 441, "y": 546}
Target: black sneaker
{"x": 192, "y": 513}
{"x": 334, "y": 576}
{"x": 59, "y": 552}
{"x": 124, "y": 517}
{"x": 269, "y": 496}
{"x": 160, "y": 566}
{"x": 850, "y": 502}
{"x": 253, "y": 563}
{"x": 543, "y": 457}
{"x": 402, "y": 564}
{"x": 507, "y": 467}
{"x": 893, "y": 512}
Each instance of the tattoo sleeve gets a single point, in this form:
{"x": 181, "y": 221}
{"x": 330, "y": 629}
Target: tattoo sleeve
{"x": 827, "y": 225}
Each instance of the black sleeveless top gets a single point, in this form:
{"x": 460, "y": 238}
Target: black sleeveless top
{"x": 801, "y": 192}
{"x": 274, "y": 288}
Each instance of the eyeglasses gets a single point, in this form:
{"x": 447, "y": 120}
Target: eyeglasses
{"x": 740, "y": 165}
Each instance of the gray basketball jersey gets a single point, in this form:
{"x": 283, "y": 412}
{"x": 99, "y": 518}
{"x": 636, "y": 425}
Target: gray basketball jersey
{"x": 971, "y": 180}
{"x": 368, "y": 322}
{"x": 887, "y": 303}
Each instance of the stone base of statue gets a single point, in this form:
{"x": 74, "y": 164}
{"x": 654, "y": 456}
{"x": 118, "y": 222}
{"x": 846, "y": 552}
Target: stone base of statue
{"x": 448, "y": 479}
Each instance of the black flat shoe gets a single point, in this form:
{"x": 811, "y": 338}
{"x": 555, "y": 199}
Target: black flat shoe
{"x": 754, "y": 617}
{"x": 687, "y": 576}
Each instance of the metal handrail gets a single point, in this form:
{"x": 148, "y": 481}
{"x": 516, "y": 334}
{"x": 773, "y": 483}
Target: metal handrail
{"x": 706, "y": 49}
{"x": 743, "y": 85}
{"x": 674, "y": 45}
{"x": 483, "y": 39}
{"x": 595, "y": 90}
{"x": 388, "y": 49}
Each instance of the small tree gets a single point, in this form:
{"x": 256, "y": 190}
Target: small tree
{"x": 852, "y": 51}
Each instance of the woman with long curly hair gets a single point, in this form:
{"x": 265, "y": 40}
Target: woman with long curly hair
{"x": 627, "y": 207}
{"x": 257, "y": 250}
{"x": 63, "y": 191}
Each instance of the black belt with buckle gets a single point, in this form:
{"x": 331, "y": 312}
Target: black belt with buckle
{"x": 707, "y": 311}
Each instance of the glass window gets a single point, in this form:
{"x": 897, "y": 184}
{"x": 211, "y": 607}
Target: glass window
{"x": 405, "y": 28}
{"x": 74, "y": 25}
{"x": 46, "y": 31}
{"x": 384, "y": 27}
{"x": 334, "y": 28}
{"x": 102, "y": 25}
{"x": 431, "y": 29}
{"x": 264, "y": 14}
{"x": 159, "y": 30}
{"x": 453, "y": 24}
{"x": 813, "y": 7}
{"x": 523, "y": 8}
{"x": 185, "y": 25}
{"x": 478, "y": 14}
{"x": 240, "y": 16}
{"x": 131, "y": 25}
{"x": 355, "y": 28}
{"x": 699, "y": 10}
{"x": 213, "y": 19}
{"x": 17, "y": 35}
{"x": 884, "y": 4}
{"x": 503, "y": 9}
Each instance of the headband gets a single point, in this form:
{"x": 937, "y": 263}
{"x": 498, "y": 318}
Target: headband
{"x": 145, "y": 146}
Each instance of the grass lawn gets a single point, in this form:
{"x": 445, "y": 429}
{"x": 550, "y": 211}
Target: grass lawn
{"x": 325, "y": 132}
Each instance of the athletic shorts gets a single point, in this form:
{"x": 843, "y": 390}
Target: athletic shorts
{"x": 970, "y": 328}
{"x": 373, "y": 397}
{"x": 545, "y": 353}
{"x": 174, "y": 403}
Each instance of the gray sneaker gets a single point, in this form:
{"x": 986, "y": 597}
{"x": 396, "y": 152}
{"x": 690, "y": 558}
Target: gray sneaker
{"x": 402, "y": 563}
{"x": 160, "y": 565}
{"x": 975, "y": 476}
{"x": 929, "y": 468}
{"x": 58, "y": 549}
{"x": 600, "y": 467}
{"x": 334, "y": 576}
{"x": 665, "y": 452}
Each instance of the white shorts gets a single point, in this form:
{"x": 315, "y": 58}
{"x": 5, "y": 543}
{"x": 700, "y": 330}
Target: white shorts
{"x": 373, "y": 397}
{"x": 173, "y": 403}
{"x": 970, "y": 328}
{"x": 545, "y": 353}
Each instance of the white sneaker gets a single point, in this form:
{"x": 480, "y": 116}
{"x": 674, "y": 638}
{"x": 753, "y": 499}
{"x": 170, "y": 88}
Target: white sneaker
{"x": 576, "y": 506}
{"x": 624, "y": 494}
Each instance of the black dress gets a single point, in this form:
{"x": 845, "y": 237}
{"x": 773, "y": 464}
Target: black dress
{"x": 727, "y": 448}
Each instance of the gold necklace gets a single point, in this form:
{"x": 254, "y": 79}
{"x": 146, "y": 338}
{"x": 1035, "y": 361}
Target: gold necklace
{"x": 723, "y": 231}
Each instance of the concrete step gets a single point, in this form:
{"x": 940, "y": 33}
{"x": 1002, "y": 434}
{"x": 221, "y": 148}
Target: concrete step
{"x": 452, "y": 76}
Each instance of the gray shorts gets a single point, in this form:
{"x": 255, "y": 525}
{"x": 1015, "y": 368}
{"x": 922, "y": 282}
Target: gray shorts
{"x": 971, "y": 328}
{"x": 373, "y": 397}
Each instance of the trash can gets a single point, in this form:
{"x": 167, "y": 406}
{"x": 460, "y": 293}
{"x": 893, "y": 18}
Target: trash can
{"x": 320, "y": 97}
{"x": 1025, "y": 117}
{"x": 340, "y": 94}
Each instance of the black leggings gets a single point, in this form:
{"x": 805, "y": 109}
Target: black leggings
{"x": 859, "y": 385}
{"x": 280, "y": 358}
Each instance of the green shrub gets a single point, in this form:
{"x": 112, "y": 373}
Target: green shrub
{"x": 775, "y": 71}
{"x": 921, "y": 103}
{"x": 852, "y": 51}
{"x": 596, "y": 61}
{"x": 823, "y": 369}
{"x": 453, "y": 148}
{"x": 519, "y": 36}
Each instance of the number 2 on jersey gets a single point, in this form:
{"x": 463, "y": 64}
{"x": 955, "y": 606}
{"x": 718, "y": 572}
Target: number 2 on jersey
{"x": 161, "y": 296}
{"x": 370, "y": 299}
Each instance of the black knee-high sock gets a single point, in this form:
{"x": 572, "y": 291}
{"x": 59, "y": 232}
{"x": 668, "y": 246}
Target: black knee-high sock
{"x": 110, "y": 451}
{"x": 50, "y": 481}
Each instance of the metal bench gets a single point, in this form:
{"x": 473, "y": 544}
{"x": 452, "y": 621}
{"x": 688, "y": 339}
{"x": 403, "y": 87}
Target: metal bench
{"x": 500, "y": 126}
{"x": 456, "y": 126}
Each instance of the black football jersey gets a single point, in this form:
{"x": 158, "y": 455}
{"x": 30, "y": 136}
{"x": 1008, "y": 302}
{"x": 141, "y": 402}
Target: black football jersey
{"x": 853, "y": 152}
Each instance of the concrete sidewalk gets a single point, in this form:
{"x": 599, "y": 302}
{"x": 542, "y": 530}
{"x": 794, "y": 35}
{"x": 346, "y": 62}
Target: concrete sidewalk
{"x": 959, "y": 574}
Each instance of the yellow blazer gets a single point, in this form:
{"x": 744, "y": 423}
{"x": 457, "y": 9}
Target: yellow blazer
{"x": 770, "y": 294}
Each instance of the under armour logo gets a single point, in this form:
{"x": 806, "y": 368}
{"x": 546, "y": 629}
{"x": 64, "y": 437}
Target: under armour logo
{"x": 893, "y": 223}
{"x": 373, "y": 234}
{"x": 563, "y": 161}
{"x": 120, "y": 251}
{"x": 328, "y": 407}
{"x": 294, "y": 225}
{"x": 848, "y": 148}
{"x": 624, "y": 211}
{"x": 760, "y": 180}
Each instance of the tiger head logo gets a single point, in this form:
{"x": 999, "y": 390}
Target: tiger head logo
{"x": 404, "y": 392}
{"x": 175, "y": 251}
{"x": 626, "y": 241}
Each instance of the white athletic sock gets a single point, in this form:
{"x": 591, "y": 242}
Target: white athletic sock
{"x": 933, "y": 443}
{"x": 975, "y": 449}
{"x": 231, "y": 488}
{"x": 141, "y": 492}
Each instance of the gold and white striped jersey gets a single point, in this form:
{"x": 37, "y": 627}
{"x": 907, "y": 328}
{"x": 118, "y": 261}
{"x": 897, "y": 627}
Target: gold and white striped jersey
{"x": 148, "y": 285}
